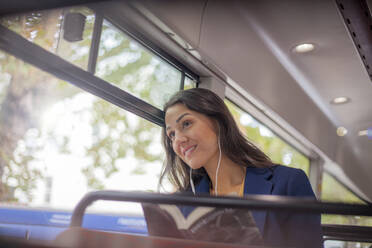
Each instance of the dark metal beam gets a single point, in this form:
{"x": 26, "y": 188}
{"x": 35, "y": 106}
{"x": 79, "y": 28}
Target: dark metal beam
{"x": 96, "y": 38}
{"x": 182, "y": 86}
{"x": 21, "y": 6}
{"x": 347, "y": 233}
{"x": 252, "y": 202}
{"x": 16, "y": 45}
{"x": 358, "y": 21}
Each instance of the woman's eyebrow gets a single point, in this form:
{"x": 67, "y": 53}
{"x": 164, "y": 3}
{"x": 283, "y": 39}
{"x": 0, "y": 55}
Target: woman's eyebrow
{"x": 178, "y": 120}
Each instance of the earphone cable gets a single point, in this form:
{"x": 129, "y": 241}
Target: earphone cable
{"x": 218, "y": 164}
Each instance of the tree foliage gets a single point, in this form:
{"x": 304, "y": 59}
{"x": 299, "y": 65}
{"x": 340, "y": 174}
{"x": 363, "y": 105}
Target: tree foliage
{"x": 28, "y": 93}
{"x": 24, "y": 95}
{"x": 333, "y": 191}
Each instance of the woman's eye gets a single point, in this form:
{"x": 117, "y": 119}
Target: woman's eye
{"x": 186, "y": 124}
{"x": 171, "y": 135}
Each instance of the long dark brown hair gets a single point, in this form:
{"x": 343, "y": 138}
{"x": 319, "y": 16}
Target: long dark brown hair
{"x": 233, "y": 143}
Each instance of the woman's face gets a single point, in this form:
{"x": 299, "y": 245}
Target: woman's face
{"x": 193, "y": 136}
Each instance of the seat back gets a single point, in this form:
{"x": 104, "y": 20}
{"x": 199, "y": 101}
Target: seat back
{"x": 81, "y": 237}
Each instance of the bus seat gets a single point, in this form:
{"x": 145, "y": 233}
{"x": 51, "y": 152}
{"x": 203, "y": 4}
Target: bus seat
{"x": 81, "y": 237}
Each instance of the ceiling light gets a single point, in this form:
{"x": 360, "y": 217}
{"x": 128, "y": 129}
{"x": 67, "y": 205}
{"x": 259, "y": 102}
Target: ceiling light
{"x": 363, "y": 133}
{"x": 367, "y": 132}
{"x": 341, "y": 131}
{"x": 340, "y": 100}
{"x": 304, "y": 48}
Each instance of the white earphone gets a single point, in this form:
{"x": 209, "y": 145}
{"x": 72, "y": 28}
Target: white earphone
{"x": 192, "y": 182}
{"x": 218, "y": 167}
{"x": 219, "y": 162}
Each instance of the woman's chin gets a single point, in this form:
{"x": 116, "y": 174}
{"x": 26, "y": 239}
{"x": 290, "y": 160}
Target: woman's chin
{"x": 194, "y": 166}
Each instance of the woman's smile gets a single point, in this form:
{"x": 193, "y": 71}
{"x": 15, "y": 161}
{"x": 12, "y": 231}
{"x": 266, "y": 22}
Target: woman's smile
{"x": 188, "y": 150}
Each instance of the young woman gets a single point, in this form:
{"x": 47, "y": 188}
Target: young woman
{"x": 206, "y": 153}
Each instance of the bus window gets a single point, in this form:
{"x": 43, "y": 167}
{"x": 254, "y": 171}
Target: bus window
{"x": 52, "y": 131}
{"x": 127, "y": 65}
{"x": 76, "y": 49}
{"x": 47, "y": 29}
{"x": 278, "y": 150}
{"x": 121, "y": 60}
{"x": 58, "y": 142}
{"x": 334, "y": 191}
{"x": 343, "y": 244}
{"x": 189, "y": 83}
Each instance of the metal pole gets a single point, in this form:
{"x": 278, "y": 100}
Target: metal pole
{"x": 94, "y": 48}
{"x": 252, "y": 202}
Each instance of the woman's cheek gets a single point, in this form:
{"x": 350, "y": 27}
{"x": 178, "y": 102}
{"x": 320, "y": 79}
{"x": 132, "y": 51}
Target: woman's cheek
{"x": 176, "y": 150}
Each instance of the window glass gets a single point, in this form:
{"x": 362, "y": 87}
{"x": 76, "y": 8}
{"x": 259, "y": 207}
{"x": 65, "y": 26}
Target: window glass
{"x": 333, "y": 191}
{"x": 189, "y": 83}
{"x": 49, "y": 29}
{"x": 345, "y": 244}
{"x": 274, "y": 147}
{"x": 74, "y": 46}
{"x": 58, "y": 142}
{"x": 121, "y": 60}
{"x": 127, "y": 65}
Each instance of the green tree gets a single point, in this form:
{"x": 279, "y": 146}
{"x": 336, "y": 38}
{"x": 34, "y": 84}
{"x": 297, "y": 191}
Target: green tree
{"x": 28, "y": 92}
{"x": 334, "y": 191}
{"x": 23, "y": 97}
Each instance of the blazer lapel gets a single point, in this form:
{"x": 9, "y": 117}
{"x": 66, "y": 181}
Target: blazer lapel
{"x": 203, "y": 185}
{"x": 257, "y": 183}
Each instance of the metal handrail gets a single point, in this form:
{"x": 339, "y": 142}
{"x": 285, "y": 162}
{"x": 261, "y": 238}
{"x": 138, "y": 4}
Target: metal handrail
{"x": 252, "y": 202}
{"x": 347, "y": 233}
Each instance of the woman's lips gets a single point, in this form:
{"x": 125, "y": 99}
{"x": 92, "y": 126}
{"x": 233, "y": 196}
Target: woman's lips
{"x": 189, "y": 150}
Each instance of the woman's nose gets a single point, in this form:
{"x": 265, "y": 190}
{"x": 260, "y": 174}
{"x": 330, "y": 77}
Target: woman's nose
{"x": 179, "y": 138}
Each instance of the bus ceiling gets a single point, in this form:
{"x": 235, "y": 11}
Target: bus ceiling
{"x": 251, "y": 48}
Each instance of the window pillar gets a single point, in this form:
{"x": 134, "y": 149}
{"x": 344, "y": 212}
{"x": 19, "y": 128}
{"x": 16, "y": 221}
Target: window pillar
{"x": 316, "y": 174}
{"x": 214, "y": 85}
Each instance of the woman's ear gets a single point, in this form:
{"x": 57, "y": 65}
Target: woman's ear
{"x": 216, "y": 127}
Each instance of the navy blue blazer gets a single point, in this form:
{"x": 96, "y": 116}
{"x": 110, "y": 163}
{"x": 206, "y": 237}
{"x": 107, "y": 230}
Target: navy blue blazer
{"x": 279, "y": 229}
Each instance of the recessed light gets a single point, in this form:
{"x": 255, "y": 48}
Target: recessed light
{"x": 340, "y": 100}
{"x": 341, "y": 131}
{"x": 367, "y": 132}
{"x": 304, "y": 48}
{"x": 363, "y": 133}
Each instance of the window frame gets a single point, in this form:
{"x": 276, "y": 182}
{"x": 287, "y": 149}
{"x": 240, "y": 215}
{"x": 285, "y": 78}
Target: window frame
{"x": 21, "y": 48}
{"x": 132, "y": 33}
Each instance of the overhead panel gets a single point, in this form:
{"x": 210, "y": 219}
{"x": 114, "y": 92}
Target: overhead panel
{"x": 358, "y": 20}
